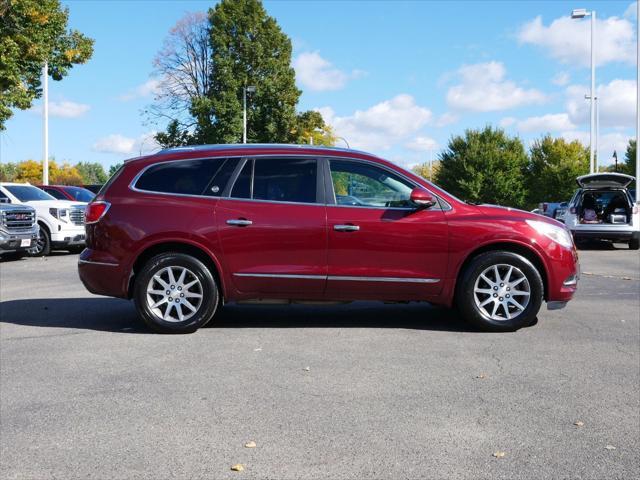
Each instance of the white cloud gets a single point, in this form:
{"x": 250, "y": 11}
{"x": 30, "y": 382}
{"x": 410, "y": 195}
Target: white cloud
{"x": 120, "y": 144}
{"x": 507, "y": 122}
{"x": 64, "y": 109}
{"x": 318, "y": 74}
{"x": 422, "y": 144}
{"x": 445, "y": 119}
{"x": 553, "y": 122}
{"x": 561, "y": 79}
{"x": 382, "y": 125}
{"x": 483, "y": 88}
{"x": 616, "y": 102}
{"x": 608, "y": 143}
{"x": 569, "y": 40}
{"x": 150, "y": 87}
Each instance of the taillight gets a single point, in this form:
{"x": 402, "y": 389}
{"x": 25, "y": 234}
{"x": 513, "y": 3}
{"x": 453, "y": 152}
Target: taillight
{"x": 95, "y": 211}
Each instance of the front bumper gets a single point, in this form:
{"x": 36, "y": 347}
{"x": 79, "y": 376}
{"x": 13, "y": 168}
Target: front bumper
{"x": 17, "y": 242}
{"x": 64, "y": 237}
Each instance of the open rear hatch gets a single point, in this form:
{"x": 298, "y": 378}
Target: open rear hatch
{"x": 604, "y": 180}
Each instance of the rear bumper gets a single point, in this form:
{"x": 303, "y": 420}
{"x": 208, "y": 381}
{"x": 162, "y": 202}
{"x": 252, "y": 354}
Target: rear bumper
{"x": 102, "y": 274}
{"x": 619, "y": 236}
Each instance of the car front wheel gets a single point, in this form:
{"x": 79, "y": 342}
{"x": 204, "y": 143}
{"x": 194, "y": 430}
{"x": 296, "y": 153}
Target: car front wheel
{"x": 175, "y": 293}
{"x": 500, "y": 291}
{"x": 43, "y": 244}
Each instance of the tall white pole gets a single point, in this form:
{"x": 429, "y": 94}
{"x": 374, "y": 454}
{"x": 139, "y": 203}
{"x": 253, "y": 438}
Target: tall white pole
{"x": 45, "y": 124}
{"x": 244, "y": 114}
{"x": 638, "y": 105}
{"x": 596, "y": 157}
{"x": 593, "y": 93}
{"x": 431, "y": 164}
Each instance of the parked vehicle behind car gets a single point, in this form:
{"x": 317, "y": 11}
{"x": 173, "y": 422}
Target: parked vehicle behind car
{"x": 18, "y": 228}
{"x": 603, "y": 209}
{"x": 68, "y": 192}
{"x": 188, "y": 229}
{"x": 95, "y": 188}
{"x": 61, "y": 222}
{"x": 551, "y": 209}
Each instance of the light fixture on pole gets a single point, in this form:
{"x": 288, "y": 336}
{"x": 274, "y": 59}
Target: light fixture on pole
{"x": 45, "y": 124}
{"x": 344, "y": 140}
{"x": 581, "y": 13}
{"x": 245, "y": 90}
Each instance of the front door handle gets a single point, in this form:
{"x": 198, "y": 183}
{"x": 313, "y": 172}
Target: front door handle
{"x": 346, "y": 228}
{"x": 240, "y": 222}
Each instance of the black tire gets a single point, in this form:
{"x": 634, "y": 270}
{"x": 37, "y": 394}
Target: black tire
{"x": 76, "y": 249}
{"x": 465, "y": 296}
{"x": 43, "y": 244}
{"x": 634, "y": 244}
{"x": 197, "y": 270}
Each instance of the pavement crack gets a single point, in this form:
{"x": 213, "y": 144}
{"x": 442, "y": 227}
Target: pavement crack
{"x": 601, "y": 275}
{"x": 43, "y": 336}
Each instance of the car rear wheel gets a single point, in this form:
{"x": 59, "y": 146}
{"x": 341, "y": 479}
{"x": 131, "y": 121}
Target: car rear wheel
{"x": 500, "y": 291}
{"x": 634, "y": 244}
{"x": 43, "y": 244}
{"x": 175, "y": 293}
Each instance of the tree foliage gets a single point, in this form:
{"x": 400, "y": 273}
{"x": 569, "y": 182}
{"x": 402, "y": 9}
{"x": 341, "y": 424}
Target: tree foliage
{"x": 92, "y": 173}
{"x": 32, "y": 32}
{"x": 65, "y": 174}
{"x": 246, "y": 47}
{"x": 553, "y": 168}
{"x": 114, "y": 168}
{"x": 629, "y": 166}
{"x": 426, "y": 170}
{"x": 485, "y": 166}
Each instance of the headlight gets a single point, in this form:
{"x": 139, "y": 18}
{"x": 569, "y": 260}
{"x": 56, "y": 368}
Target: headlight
{"x": 556, "y": 233}
{"x": 60, "y": 213}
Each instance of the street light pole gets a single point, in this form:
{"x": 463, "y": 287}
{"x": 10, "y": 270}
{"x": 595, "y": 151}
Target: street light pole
{"x": 245, "y": 89}
{"x": 581, "y": 13}
{"x": 638, "y": 104}
{"x": 45, "y": 124}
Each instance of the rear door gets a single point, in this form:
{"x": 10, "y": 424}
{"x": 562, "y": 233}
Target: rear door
{"x": 272, "y": 228}
{"x": 380, "y": 245}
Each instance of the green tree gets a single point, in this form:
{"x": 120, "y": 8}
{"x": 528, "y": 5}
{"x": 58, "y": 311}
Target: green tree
{"x": 485, "y": 166}
{"x": 91, "y": 172}
{"x": 629, "y": 165}
{"x": 249, "y": 48}
{"x": 8, "y": 172}
{"x": 425, "y": 170}
{"x": 114, "y": 168}
{"x": 310, "y": 127}
{"x": 553, "y": 168}
{"x": 32, "y": 32}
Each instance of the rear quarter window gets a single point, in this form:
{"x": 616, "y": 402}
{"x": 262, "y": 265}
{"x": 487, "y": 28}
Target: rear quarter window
{"x": 187, "y": 177}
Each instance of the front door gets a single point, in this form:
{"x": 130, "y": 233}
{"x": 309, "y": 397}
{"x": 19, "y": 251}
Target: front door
{"x": 380, "y": 245}
{"x": 272, "y": 229}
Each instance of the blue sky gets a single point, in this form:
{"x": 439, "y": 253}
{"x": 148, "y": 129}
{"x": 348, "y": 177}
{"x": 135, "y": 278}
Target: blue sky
{"x": 395, "y": 78}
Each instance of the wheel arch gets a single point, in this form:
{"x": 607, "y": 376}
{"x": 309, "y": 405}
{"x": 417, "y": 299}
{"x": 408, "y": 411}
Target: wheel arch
{"x": 513, "y": 247}
{"x": 178, "y": 247}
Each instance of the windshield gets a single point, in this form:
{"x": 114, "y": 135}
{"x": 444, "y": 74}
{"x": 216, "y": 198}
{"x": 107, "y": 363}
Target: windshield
{"x": 28, "y": 193}
{"x": 80, "y": 194}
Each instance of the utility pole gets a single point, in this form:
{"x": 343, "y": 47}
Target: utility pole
{"x": 638, "y": 104}
{"x": 45, "y": 124}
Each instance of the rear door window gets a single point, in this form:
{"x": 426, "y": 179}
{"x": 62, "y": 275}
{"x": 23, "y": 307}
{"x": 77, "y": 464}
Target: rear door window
{"x": 184, "y": 177}
{"x": 278, "y": 180}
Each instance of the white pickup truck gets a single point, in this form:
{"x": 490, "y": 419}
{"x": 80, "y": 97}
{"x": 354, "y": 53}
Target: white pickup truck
{"x": 61, "y": 222}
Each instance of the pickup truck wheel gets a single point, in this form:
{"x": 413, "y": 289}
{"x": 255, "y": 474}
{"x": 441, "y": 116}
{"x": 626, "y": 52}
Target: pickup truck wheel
{"x": 500, "y": 292}
{"x": 634, "y": 244}
{"x": 43, "y": 244}
{"x": 175, "y": 293}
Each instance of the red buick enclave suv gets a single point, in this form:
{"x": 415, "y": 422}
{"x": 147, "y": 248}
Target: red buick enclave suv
{"x": 188, "y": 229}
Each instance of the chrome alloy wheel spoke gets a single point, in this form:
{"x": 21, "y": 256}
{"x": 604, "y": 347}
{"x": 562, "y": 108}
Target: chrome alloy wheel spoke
{"x": 174, "y": 294}
{"x": 494, "y": 292}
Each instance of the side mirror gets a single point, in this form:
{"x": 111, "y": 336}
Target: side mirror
{"x": 421, "y": 198}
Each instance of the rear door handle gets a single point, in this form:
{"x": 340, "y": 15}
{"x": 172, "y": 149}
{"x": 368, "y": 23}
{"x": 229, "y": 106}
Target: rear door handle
{"x": 346, "y": 228}
{"x": 240, "y": 222}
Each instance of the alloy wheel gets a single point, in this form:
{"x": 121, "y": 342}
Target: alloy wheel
{"x": 502, "y": 292}
{"x": 174, "y": 294}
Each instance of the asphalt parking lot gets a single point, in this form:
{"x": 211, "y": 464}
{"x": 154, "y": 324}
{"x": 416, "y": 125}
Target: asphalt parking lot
{"x": 357, "y": 391}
